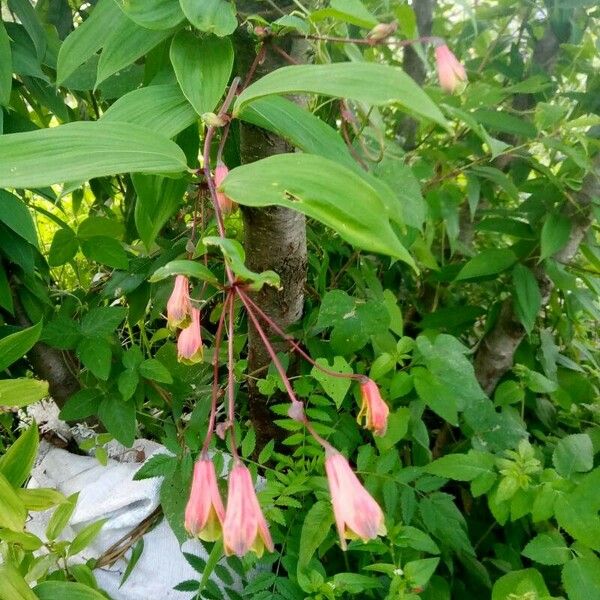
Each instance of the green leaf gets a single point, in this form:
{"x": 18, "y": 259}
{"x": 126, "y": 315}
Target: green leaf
{"x": 528, "y": 582}
{"x": 235, "y": 257}
{"x": 82, "y": 404}
{"x": 64, "y": 247}
{"x": 419, "y": 572}
{"x": 86, "y": 39}
{"x": 16, "y": 215}
{"x": 52, "y": 590}
{"x": 16, "y": 345}
{"x": 106, "y": 251}
{"x": 189, "y": 268}
{"x": 158, "y": 465}
{"x": 555, "y": 234}
{"x": 159, "y": 108}
{"x": 212, "y": 16}
{"x": 435, "y": 395}
{"x": 174, "y": 493}
{"x": 153, "y": 14}
{"x": 202, "y": 67}
{"x": 411, "y": 537}
{"x": 573, "y": 454}
{"x": 60, "y": 517}
{"x": 335, "y": 387}
{"x": 342, "y": 200}
{"x": 315, "y": 529}
{"x": 462, "y": 467}
{"x": 581, "y": 577}
{"x": 18, "y": 460}
{"x": 6, "y": 69}
{"x": 6, "y": 299}
{"x": 298, "y": 126}
{"x": 21, "y": 392}
{"x": 119, "y": 418}
{"x": 13, "y": 586}
{"x": 365, "y": 82}
{"x": 82, "y": 151}
{"x": 124, "y": 45}
{"x": 96, "y": 355}
{"x": 350, "y": 11}
{"x": 12, "y": 510}
{"x": 528, "y": 299}
{"x": 100, "y": 226}
{"x": 508, "y": 392}
{"x": 32, "y": 23}
{"x": 548, "y": 549}
{"x": 158, "y": 198}
{"x": 249, "y": 443}
{"x": 486, "y": 263}
{"x": 127, "y": 383}
{"x": 397, "y": 428}
{"x": 85, "y": 537}
{"x": 38, "y": 499}
{"x": 27, "y": 541}
{"x": 102, "y": 321}
{"x": 155, "y": 370}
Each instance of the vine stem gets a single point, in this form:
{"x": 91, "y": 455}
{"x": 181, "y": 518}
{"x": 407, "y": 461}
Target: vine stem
{"x": 249, "y": 303}
{"x": 372, "y": 42}
{"x": 215, "y": 385}
{"x": 230, "y": 377}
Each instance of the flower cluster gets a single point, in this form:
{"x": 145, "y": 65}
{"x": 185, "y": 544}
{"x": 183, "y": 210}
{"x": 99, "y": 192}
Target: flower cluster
{"x": 181, "y": 314}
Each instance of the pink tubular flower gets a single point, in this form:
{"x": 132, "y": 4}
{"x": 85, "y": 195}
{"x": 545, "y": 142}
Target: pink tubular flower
{"x": 357, "y": 515}
{"x": 179, "y": 306}
{"x": 374, "y": 410}
{"x": 204, "y": 513}
{"x": 245, "y": 527}
{"x": 225, "y": 203}
{"x": 451, "y": 72}
{"x": 189, "y": 343}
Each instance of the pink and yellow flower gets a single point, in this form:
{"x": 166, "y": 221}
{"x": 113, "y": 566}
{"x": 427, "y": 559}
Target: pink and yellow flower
{"x": 179, "y": 306}
{"x": 205, "y": 513}
{"x": 226, "y": 204}
{"x": 245, "y": 527}
{"x": 189, "y": 343}
{"x": 374, "y": 411}
{"x": 451, "y": 72}
{"x": 356, "y": 513}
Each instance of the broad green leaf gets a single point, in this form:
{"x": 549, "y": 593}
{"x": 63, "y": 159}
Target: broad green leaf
{"x": 350, "y": 11}
{"x": 106, "y": 251}
{"x": 502, "y": 121}
{"x": 525, "y": 583}
{"x": 581, "y": 577}
{"x": 159, "y": 108}
{"x": 439, "y": 398}
{"x": 189, "y": 268}
{"x": 38, "y": 499}
{"x": 63, "y": 248}
{"x": 573, "y": 454}
{"x": 100, "y": 226}
{"x": 102, "y": 321}
{"x": 32, "y": 23}
{"x": 119, "y": 418}
{"x": 18, "y": 460}
{"x": 235, "y": 257}
{"x": 487, "y": 263}
{"x": 12, "y": 510}
{"x": 411, "y": 537}
{"x": 84, "y": 150}
{"x": 153, "y": 369}
{"x": 335, "y": 387}
{"x": 202, "y": 67}
{"x": 6, "y": 299}
{"x": 158, "y": 198}
{"x": 419, "y": 572}
{"x": 462, "y": 467}
{"x": 82, "y": 404}
{"x": 124, "y": 45}
{"x": 52, "y": 590}
{"x": 158, "y": 465}
{"x": 548, "y": 549}
{"x": 21, "y": 392}
{"x": 211, "y": 16}
{"x": 127, "y": 383}
{"x": 528, "y": 299}
{"x": 397, "y": 428}
{"x": 555, "y": 234}
{"x": 300, "y": 127}
{"x": 341, "y": 199}
{"x": 314, "y": 531}
{"x": 365, "y": 82}
{"x": 85, "y": 537}
{"x": 16, "y": 345}
{"x": 84, "y": 41}
{"x": 27, "y": 541}
{"x": 499, "y": 178}
{"x": 13, "y": 586}
{"x": 14, "y": 214}
{"x": 508, "y": 392}
{"x": 153, "y": 14}
{"x": 5, "y": 66}
{"x": 96, "y": 355}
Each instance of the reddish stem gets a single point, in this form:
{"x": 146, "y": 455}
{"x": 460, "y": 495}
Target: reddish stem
{"x": 372, "y": 42}
{"x": 231, "y": 378}
{"x": 260, "y": 56}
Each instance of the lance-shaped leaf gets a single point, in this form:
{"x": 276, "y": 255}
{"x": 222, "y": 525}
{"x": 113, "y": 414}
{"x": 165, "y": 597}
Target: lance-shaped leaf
{"x": 189, "y": 268}
{"x": 5, "y": 66}
{"x": 365, "y": 82}
{"x": 321, "y": 189}
{"x": 153, "y": 14}
{"x": 16, "y": 345}
{"x": 202, "y": 67}
{"x": 83, "y": 150}
{"x": 235, "y": 257}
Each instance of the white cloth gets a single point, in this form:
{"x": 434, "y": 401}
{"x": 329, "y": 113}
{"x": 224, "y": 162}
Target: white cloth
{"x": 109, "y": 492}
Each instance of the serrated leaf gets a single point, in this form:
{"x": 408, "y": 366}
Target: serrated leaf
{"x": 63, "y": 248}
{"x": 315, "y": 529}
{"x": 155, "y": 370}
{"x": 581, "y": 577}
{"x": 547, "y": 549}
{"x": 158, "y": 465}
{"x": 462, "y": 467}
{"x": 119, "y": 418}
{"x": 573, "y": 454}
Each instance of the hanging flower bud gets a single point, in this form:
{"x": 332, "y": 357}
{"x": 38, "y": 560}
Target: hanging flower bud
{"x": 357, "y": 515}
{"x": 225, "y": 203}
{"x": 189, "y": 343}
{"x": 205, "y": 513}
{"x": 382, "y": 31}
{"x": 245, "y": 527}
{"x": 451, "y": 72}
{"x": 374, "y": 410}
{"x": 179, "y": 306}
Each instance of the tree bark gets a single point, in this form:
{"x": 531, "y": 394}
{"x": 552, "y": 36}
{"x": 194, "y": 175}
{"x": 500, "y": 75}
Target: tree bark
{"x": 275, "y": 239}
